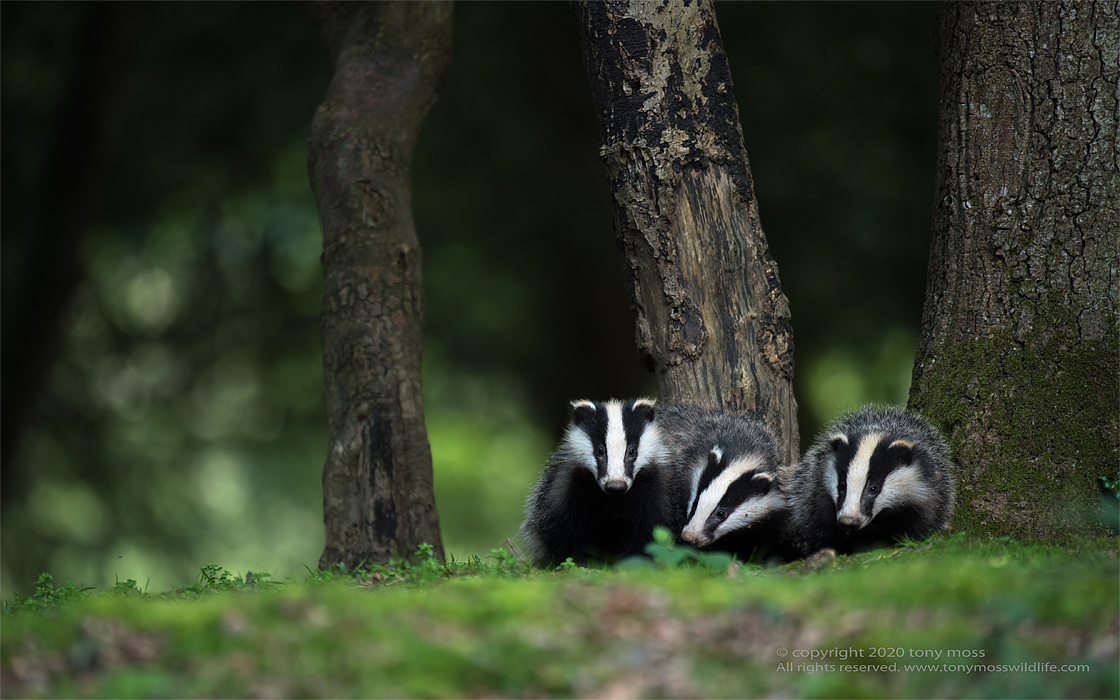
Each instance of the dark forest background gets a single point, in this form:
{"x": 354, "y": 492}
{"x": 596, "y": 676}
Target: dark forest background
{"x": 182, "y": 421}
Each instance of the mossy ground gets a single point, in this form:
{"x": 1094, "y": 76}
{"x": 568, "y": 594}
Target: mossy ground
{"x": 636, "y": 631}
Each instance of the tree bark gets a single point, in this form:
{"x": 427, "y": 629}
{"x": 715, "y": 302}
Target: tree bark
{"x": 390, "y": 59}
{"x": 1018, "y": 357}
{"x": 711, "y": 318}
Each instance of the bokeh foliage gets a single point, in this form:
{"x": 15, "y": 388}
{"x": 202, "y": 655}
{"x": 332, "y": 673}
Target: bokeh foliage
{"x": 184, "y": 419}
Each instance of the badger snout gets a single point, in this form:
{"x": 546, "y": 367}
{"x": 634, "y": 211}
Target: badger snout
{"x": 696, "y": 539}
{"x": 616, "y": 486}
{"x": 850, "y": 522}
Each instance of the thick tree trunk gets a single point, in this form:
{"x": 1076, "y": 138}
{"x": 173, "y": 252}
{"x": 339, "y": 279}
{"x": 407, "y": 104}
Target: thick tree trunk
{"x": 377, "y": 481}
{"x": 711, "y": 317}
{"x": 1018, "y": 357}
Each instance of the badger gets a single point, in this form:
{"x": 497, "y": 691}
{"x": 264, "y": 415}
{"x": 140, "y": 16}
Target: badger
{"x": 879, "y": 474}
{"x": 609, "y": 483}
{"x": 735, "y": 501}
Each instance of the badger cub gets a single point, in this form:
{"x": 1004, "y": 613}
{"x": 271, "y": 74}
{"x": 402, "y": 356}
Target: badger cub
{"x": 735, "y": 501}
{"x": 876, "y": 475}
{"x": 605, "y": 488}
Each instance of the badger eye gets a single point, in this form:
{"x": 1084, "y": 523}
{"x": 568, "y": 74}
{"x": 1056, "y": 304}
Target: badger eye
{"x": 873, "y": 490}
{"x": 632, "y": 451}
{"x": 599, "y": 451}
{"x": 721, "y": 513}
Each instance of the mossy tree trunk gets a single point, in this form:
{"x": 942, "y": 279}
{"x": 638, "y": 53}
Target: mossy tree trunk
{"x": 1018, "y": 357}
{"x": 711, "y": 317}
{"x": 377, "y": 480}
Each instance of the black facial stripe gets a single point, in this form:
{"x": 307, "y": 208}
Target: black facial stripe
{"x": 744, "y": 488}
{"x": 884, "y": 460}
{"x": 594, "y": 425}
{"x": 843, "y": 456}
{"x": 634, "y": 423}
{"x": 711, "y": 471}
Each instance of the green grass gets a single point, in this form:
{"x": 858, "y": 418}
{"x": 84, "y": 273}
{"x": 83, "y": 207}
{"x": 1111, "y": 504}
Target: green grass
{"x": 495, "y": 628}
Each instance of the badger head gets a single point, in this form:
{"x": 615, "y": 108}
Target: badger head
{"x": 615, "y": 440}
{"x": 729, "y": 495}
{"x": 871, "y": 473}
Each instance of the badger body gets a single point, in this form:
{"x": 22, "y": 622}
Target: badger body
{"x": 735, "y": 501}
{"x": 609, "y": 483}
{"x": 877, "y": 475}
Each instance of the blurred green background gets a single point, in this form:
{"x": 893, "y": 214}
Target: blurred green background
{"x": 181, "y": 420}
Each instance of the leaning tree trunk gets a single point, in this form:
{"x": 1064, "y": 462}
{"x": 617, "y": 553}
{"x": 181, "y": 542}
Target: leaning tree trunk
{"x": 1018, "y": 357}
{"x": 711, "y": 317}
{"x": 377, "y": 480}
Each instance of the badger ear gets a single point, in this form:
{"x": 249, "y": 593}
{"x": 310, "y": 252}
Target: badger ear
{"x": 715, "y": 456}
{"x": 763, "y": 481}
{"x": 645, "y": 408}
{"x": 904, "y": 449}
{"x": 837, "y": 441}
{"x": 582, "y": 411}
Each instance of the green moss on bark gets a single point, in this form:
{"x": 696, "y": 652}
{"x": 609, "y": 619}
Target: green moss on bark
{"x": 1031, "y": 425}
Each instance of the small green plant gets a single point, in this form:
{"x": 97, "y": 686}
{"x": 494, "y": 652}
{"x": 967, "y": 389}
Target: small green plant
{"x": 337, "y": 572}
{"x": 504, "y": 562}
{"x": 1110, "y": 485}
{"x": 429, "y": 569}
{"x": 46, "y": 596}
{"x": 126, "y": 589}
{"x": 215, "y": 579}
{"x": 667, "y": 553}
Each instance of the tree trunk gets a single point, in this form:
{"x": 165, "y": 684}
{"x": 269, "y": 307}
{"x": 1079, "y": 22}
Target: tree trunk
{"x": 377, "y": 481}
{"x": 1018, "y": 358}
{"x": 711, "y": 318}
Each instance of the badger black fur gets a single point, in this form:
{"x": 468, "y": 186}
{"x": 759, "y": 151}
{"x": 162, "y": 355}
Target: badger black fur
{"x": 735, "y": 502}
{"x": 877, "y": 475}
{"x": 609, "y": 483}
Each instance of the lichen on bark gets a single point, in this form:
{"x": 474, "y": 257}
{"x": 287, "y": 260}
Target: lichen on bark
{"x": 710, "y": 317}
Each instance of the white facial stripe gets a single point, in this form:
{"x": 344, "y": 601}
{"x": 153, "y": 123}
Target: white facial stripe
{"x": 616, "y": 443}
{"x": 709, "y": 499}
{"x": 857, "y": 475}
{"x": 832, "y": 480}
{"x": 904, "y": 485}
{"x": 651, "y": 449}
{"x": 578, "y": 445}
{"x": 751, "y": 511}
{"x": 697, "y": 472}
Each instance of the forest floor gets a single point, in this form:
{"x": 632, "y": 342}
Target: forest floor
{"x": 953, "y": 617}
